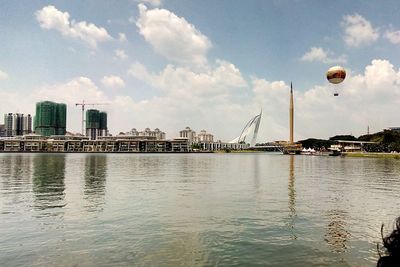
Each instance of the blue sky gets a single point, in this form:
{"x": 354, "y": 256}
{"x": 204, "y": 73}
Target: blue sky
{"x": 206, "y": 64}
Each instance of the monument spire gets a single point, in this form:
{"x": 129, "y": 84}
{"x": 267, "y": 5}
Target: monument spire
{"x": 291, "y": 114}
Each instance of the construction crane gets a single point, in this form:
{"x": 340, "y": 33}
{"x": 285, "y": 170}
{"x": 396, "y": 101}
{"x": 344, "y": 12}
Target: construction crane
{"x": 83, "y": 104}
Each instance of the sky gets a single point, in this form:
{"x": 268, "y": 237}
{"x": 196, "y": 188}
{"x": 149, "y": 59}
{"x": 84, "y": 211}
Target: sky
{"x": 209, "y": 65}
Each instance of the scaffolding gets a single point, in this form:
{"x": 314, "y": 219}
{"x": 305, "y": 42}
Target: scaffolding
{"x": 50, "y": 118}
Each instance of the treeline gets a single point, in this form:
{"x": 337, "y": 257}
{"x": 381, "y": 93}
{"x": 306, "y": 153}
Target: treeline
{"x": 386, "y": 141}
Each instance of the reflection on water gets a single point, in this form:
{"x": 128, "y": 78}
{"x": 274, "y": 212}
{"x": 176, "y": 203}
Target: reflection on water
{"x": 256, "y": 168}
{"x": 247, "y": 209}
{"x": 336, "y": 234}
{"x": 292, "y": 197}
{"x": 16, "y": 171}
{"x": 48, "y": 181}
{"x": 95, "y": 181}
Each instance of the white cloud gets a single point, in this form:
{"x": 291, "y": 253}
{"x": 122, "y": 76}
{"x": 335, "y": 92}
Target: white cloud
{"x": 206, "y": 99}
{"x": 140, "y": 72}
{"x": 315, "y": 54}
{"x": 113, "y": 81}
{"x": 71, "y": 92}
{"x": 50, "y": 17}
{"x": 3, "y": 75}
{"x": 119, "y": 53}
{"x": 393, "y": 36}
{"x": 172, "y": 36}
{"x": 151, "y": 2}
{"x": 185, "y": 82}
{"x": 318, "y": 54}
{"x": 199, "y": 98}
{"x": 122, "y": 37}
{"x": 358, "y": 31}
{"x": 381, "y": 73}
{"x": 364, "y": 99}
{"x": 220, "y": 101}
{"x": 370, "y": 98}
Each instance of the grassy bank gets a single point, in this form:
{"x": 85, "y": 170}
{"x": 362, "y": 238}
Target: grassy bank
{"x": 372, "y": 155}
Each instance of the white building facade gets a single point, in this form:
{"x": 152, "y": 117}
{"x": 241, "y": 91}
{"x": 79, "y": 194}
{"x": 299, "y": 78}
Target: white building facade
{"x": 157, "y": 133}
{"x": 189, "y": 134}
{"x": 205, "y": 137}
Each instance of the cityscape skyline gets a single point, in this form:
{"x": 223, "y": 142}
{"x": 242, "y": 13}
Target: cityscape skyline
{"x": 17, "y": 125}
{"x": 162, "y": 77}
{"x": 50, "y": 120}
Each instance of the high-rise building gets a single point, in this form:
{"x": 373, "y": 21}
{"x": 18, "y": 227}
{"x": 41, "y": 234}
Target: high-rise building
{"x": 96, "y": 123}
{"x": 103, "y": 130}
{"x": 26, "y": 124}
{"x": 17, "y": 124}
{"x": 50, "y": 118}
{"x": 61, "y": 119}
{"x": 8, "y": 124}
{"x": 2, "y": 130}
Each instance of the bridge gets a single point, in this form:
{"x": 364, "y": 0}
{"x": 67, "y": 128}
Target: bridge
{"x": 268, "y": 147}
{"x": 252, "y": 125}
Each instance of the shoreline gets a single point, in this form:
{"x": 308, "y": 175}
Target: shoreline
{"x": 104, "y": 152}
{"x": 371, "y": 155}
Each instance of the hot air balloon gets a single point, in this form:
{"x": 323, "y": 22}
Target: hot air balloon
{"x": 336, "y": 75}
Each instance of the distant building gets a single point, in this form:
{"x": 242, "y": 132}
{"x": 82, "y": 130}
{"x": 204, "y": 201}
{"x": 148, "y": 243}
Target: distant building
{"x": 9, "y": 124}
{"x": 2, "y": 130}
{"x": 26, "y": 124}
{"x": 50, "y": 118}
{"x": 16, "y": 124}
{"x": 193, "y": 138}
{"x": 96, "y": 124}
{"x": 160, "y": 135}
{"x": 157, "y": 133}
{"x": 205, "y": 137}
{"x": 189, "y": 134}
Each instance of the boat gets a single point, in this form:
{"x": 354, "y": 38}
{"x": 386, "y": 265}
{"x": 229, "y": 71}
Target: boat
{"x": 336, "y": 150}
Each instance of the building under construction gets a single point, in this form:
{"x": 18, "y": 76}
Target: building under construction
{"x": 96, "y": 124}
{"x": 50, "y": 118}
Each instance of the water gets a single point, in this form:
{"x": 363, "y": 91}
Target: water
{"x": 194, "y": 209}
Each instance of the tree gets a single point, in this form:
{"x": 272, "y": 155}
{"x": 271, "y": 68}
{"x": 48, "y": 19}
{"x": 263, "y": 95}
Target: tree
{"x": 316, "y": 143}
{"x": 196, "y": 146}
{"x": 343, "y": 137}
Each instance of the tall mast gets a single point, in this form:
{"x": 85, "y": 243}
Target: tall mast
{"x": 291, "y": 114}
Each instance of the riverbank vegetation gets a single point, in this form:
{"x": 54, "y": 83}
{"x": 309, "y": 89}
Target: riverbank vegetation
{"x": 385, "y": 141}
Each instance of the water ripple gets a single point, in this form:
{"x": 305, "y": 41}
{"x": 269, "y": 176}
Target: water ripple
{"x": 194, "y": 210}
